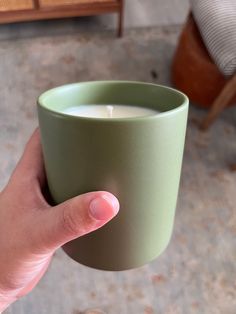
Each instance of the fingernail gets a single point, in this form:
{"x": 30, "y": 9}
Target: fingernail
{"x": 104, "y": 207}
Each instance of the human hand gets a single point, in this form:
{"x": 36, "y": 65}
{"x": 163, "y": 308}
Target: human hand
{"x": 31, "y": 230}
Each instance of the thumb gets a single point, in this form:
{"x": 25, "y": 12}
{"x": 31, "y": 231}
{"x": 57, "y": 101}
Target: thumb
{"x": 76, "y": 217}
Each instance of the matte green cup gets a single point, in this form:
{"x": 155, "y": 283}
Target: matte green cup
{"x": 137, "y": 159}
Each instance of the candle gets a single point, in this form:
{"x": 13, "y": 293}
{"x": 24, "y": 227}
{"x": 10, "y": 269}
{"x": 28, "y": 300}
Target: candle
{"x": 109, "y": 111}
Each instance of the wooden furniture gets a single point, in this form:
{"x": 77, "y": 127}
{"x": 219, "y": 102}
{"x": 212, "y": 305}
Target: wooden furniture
{"x": 28, "y": 10}
{"x": 195, "y": 73}
{"x": 221, "y": 102}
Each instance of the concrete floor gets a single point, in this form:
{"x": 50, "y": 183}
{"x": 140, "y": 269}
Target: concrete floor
{"x": 196, "y": 274}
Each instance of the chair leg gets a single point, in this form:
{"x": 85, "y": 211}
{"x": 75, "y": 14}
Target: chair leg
{"x": 121, "y": 20}
{"x": 220, "y": 103}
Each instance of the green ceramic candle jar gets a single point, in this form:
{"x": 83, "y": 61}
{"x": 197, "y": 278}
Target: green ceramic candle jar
{"x": 138, "y": 159}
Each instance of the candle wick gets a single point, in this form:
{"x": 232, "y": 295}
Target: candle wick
{"x": 110, "y": 111}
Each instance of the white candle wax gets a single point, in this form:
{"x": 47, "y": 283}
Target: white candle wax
{"x": 109, "y": 111}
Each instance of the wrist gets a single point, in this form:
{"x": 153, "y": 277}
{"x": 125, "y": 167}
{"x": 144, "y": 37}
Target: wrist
{"x": 3, "y": 306}
{"x": 5, "y": 302}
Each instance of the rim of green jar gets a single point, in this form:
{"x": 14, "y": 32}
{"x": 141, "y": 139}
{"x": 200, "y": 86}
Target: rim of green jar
{"x": 41, "y": 101}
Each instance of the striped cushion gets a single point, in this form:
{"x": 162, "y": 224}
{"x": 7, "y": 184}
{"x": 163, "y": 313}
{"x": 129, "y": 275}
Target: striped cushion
{"x": 216, "y": 20}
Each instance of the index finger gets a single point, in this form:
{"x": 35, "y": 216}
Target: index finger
{"x": 31, "y": 166}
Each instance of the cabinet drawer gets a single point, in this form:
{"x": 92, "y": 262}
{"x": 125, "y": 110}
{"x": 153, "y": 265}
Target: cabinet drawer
{"x": 53, "y": 3}
{"x": 13, "y": 5}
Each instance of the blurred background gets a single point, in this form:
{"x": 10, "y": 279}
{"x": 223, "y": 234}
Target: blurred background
{"x": 47, "y": 43}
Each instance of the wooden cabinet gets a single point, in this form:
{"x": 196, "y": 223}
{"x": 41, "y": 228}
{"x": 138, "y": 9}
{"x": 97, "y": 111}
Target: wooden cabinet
{"x": 13, "y": 5}
{"x": 68, "y": 2}
{"x": 28, "y": 10}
